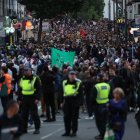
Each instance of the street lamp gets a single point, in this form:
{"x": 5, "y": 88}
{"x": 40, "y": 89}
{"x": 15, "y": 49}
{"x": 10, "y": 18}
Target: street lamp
{"x": 109, "y": 10}
{"x": 126, "y": 34}
{"x": 135, "y": 39}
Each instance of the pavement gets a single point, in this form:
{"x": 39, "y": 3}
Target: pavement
{"x": 87, "y": 130}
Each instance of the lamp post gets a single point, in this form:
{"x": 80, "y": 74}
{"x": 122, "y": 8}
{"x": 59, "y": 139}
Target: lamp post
{"x": 3, "y": 9}
{"x": 114, "y": 10}
{"x": 135, "y": 39}
{"x": 109, "y": 10}
{"x": 126, "y": 33}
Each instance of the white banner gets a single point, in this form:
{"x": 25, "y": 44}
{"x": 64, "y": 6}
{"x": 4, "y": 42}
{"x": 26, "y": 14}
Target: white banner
{"x": 137, "y": 20}
{"x": 45, "y": 26}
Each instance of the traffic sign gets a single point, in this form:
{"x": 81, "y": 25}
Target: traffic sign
{"x": 1, "y": 25}
{"x": 45, "y": 26}
{"x": 2, "y": 41}
{"x": 137, "y": 33}
{"x": 2, "y": 33}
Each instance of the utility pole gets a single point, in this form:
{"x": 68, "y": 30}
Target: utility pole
{"x": 114, "y": 15}
{"x": 116, "y": 9}
{"x": 17, "y": 8}
{"x": 9, "y": 10}
{"x": 109, "y": 10}
{"x": 126, "y": 33}
{"x": 3, "y": 9}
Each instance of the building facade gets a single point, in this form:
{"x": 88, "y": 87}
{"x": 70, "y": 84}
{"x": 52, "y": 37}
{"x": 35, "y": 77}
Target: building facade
{"x": 11, "y": 15}
{"x": 114, "y": 9}
{"x": 133, "y": 8}
{"x": 108, "y": 6}
{"x": 11, "y": 8}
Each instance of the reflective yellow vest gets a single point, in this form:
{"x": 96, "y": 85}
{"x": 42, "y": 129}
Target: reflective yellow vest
{"x": 70, "y": 89}
{"x": 28, "y": 86}
{"x": 103, "y": 90}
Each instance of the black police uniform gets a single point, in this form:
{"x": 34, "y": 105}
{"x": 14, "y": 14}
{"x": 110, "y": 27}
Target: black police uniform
{"x": 29, "y": 106}
{"x": 100, "y": 112}
{"x": 71, "y": 109}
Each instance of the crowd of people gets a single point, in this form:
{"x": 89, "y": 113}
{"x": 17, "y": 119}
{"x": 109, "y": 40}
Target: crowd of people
{"x": 104, "y": 78}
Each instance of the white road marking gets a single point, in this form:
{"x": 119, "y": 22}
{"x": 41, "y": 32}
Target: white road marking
{"x": 31, "y": 130}
{"x": 49, "y": 135}
{"x": 51, "y": 124}
{"x": 44, "y": 125}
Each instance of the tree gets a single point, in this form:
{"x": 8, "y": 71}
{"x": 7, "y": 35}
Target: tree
{"x": 92, "y": 9}
{"x": 51, "y": 8}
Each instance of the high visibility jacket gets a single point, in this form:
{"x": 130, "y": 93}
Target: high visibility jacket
{"x": 70, "y": 89}
{"x": 6, "y": 86}
{"x": 27, "y": 86}
{"x": 103, "y": 90}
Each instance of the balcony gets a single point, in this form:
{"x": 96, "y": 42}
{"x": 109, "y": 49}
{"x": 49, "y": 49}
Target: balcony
{"x": 130, "y": 2}
{"x": 136, "y": 0}
{"x": 12, "y": 14}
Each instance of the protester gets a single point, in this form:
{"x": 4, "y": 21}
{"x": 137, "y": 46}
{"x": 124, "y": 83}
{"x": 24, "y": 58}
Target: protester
{"x": 126, "y": 74}
{"x": 11, "y": 122}
{"x": 118, "y": 110}
{"x": 57, "y": 84}
{"x": 5, "y": 87}
{"x": 48, "y": 79}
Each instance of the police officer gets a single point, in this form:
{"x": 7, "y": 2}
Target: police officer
{"x": 72, "y": 98}
{"x": 29, "y": 93}
{"x": 100, "y": 95}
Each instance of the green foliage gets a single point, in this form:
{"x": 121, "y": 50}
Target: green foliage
{"x": 87, "y": 9}
{"x": 92, "y": 9}
{"x": 52, "y": 8}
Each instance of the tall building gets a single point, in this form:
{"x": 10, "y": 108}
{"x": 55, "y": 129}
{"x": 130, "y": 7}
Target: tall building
{"x": 1, "y": 7}
{"x": 11, "y": 8}
{"x": 108, "y": 6}
{"x": 133, "y": 8}
{"x": 114, "y": 9}
{"x": 11, "y": 15}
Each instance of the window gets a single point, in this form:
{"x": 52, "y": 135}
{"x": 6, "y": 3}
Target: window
{"x": 138, "y": 8}
{"x": 1, "y": 8}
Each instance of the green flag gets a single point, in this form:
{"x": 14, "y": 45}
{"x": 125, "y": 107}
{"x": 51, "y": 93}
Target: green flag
{"x": 61, "y": 57}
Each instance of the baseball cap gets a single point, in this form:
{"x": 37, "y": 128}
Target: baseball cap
{"x": 72, "y": 72}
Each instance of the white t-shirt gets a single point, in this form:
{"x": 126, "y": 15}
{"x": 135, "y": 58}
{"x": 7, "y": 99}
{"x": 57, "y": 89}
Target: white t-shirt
{"x": 10, "y": 72}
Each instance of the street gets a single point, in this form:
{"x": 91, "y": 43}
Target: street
{"x": 87, "y": 130}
